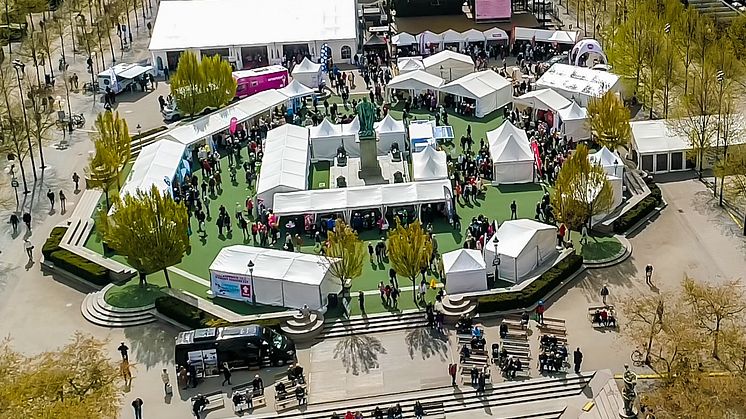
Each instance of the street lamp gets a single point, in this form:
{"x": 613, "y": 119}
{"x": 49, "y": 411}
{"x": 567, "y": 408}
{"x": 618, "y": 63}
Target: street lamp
{"x": 19, "y": 67}
{"x": 720, "y": 75}
{"x": 251, "y": 275}
{"x": 496, "y": 261}
{"x": 89, "y": 61}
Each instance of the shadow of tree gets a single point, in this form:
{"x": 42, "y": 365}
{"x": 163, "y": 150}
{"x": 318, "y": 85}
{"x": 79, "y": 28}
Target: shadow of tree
{"x": 428, "y": 342}
{"x": 151, "y": 344}
{"x": 359, "y": 353}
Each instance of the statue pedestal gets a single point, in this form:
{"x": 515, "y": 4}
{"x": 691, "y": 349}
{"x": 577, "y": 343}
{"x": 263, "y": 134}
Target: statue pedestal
{"x": 623, "y": 414}
{"x": 370, "y": 170}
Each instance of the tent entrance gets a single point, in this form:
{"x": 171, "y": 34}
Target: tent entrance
{"x": 253, "y": 57}
{"x": 295, "y": 52}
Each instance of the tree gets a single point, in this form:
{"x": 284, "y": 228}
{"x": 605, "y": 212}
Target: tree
{"x": 733, "y": 166}
{"x": 220, "y": 86}
{"x": 77, "y": 380}
{"x": 609, "y": 121}
{"x": 149, "y": 229}
{"x": 410, "y": 248}
{"x": 113, "y": 134}
{"x": 102, "y": 170}
{"x": 11, "y": 126}
{"x": 581, "y": 191}
{"x": 344, "y": 253}
{"x": 696, "y": 113}
{"x": 737, "y": 35}
{"x": 187, "y": 83}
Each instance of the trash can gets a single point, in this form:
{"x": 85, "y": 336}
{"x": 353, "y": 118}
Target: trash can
{"x": 332, "y": 301}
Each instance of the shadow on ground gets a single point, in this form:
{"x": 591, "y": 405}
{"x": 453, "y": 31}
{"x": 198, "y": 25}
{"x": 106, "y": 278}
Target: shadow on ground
{"x": 151, "y": 344}
{"x": 359, "y": 353}
{"x": 428, "y": 342}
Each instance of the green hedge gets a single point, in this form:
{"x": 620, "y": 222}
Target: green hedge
{"x": 72, "y": 263}
{"x": 535, "y": 291}
{"x": 639, "y": 211}
{"x": 184, "y": 313}
{"x": 149, "y": 132}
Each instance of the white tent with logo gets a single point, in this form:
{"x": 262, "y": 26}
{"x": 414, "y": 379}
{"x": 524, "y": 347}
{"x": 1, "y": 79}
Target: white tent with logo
{"x": 285, "y": 164}
{"x": 278, "y": 278}
{"x": 429, "y": 164}
{"x": 574, "y": 122}
{"x": 390, "y": 131}
{"x": 496, "y": 34}
{"x": 465, "y": 271}
{"x": 448, "y": 65}
{"x": 308, "y": 73}
{"x": 520, "y": 246}
{"x": 611, "y": 162}
{"x": 489, "y": 90}
{"x": 512, "y": 158}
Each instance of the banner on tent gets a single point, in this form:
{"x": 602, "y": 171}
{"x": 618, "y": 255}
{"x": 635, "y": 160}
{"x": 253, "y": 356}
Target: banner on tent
{"x": 232, "y": 286}
{"x": 537, "y": 156}
{"x": 449, "y": 203}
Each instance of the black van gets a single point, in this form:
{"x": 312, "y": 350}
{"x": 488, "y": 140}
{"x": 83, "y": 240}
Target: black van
{"x": 239, "y": 346}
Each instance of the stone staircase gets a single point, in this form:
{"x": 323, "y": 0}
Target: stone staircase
{"x": 373, "y": 323}
{"x": 97, "y": 311}
{"x": 454, "y": 306}
{"x": 303, "y": 329}
{"x": 637, "y": 190}
{"x": 718, "y": 10}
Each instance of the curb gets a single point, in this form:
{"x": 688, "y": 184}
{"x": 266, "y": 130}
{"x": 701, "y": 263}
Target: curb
{"x": 620, "y": 257}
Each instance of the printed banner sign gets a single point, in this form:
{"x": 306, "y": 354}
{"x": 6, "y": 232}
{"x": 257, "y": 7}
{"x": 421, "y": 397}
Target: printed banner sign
{"x": 232, "y": 286}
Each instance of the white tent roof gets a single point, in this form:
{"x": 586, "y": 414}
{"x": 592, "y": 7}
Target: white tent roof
{"x": 221, "y": 23}
{"x": 504, "y": 131}
{"x": 605, "y": 157}
{"x": 495, "y": 34}
{"x": 306, "y": 67}
{"x": 658, "y": 136}
{"x": 476, "y": 85}
{"x": 156, "y": 165}
{"x": 409, "y": 64}
{"x": 353, "y": 127}
{"x": 545, "y": 35}
{"x": 543, "y": 99}
{"x": 404, "y": 38}
{"x": 429, "y": 164}
{"x": 463, "y": 260}
{"x": 359, "y": 197}
{"x": 429, "y": 37}
{"x": 578, "y": 80}
{"x": 325, "y": 129}
{"x": 415, "y": 80}
{"x": 450, "y": 36}
{"x": 389, "y": 125}
{"x": 296, "y": 89}
{"x": 573, "y": 112}
{"x": 473, "y": 35}
{"x": 301, "y": 268}
{"x": 514, "y": 235}
{"x": 285, "y": 161}
{"x": 512, "y": 149}
{"x": 443, "y": 57}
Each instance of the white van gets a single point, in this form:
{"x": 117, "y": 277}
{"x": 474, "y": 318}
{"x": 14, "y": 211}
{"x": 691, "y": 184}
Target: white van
{"x": 126, "y": 75}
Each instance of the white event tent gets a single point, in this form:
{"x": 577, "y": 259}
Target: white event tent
{"x": 403, "y": 39}
{"x": 545, "y": 35}
{"x": 660, "y": 146}
{"x": 512, "y": 158}
{"x": 285, "y": 164}
{"x": 521, "y": 246}
{"x": 452, "y": 37}
{"x": 415, "y": 81}
{"x": 157, "y": 164}
{"x": 574, "y": 122}
{"x": 611, "y": 162}
{"x": 448, "y": 65}
{"x": 465, "y": 271}
{"x": 296, "y": 90}
{"x": 408, "y": 64}
{"x": 429, "y": 38}
{"x": 278, "y": 278}
{"x": 388, "y": 132}
{"x": 327, "y": 137}
{"x": 429, "y": 164}
{"x": 579, "y": 83}
{"x": 543, "y": 100}
{"x": 488, "y": 89}
{"x": 496, "y": 34}
{"x": 473, "y": 35}
{"x": 308, "y": 73}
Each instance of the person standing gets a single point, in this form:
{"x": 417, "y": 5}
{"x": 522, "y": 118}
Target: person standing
{"x": 604, "y": 293}
{"x": 137, "y": 406}
{"x": 584, "y": 234}
{"x": 29, "y": 249}
{"x": 513, "y": 211}
{"x": 124, "y": 349}
{"x": 50, "y": 196}
{"x": 452, "y": 369}
{"x": 649, "y": 274}
{"x": 63, "y": 198}
{"x": 76, "y": 180}
{"x": 577, "y": 358}
{"x": 370, "y": 252}
{"x": 166, "y": 383}
{"x": 14, "y": 222}
{"x": 540, "y": 312}
{"x": 226, "y": 374}
{"x": 27, "y": 220}
{"x": 361, "y": 301}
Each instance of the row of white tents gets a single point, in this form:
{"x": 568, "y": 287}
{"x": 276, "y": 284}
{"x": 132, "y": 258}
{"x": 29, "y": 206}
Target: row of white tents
{"x": 570, "y": 118}
{"x": 452, "y": 37}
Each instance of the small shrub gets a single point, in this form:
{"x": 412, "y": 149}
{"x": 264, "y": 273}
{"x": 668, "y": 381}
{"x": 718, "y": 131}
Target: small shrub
{"x": 80, "y": 266}
{"x": 148, "y": 133}
{"x": 184, "y": 313}
{"x": 53, "y": 241}
{"x": 534, "y": 292}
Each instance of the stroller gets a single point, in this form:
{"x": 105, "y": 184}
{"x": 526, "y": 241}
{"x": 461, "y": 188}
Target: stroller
{"x": 496, "y": 353}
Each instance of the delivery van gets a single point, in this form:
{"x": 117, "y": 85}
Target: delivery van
{"x": 126, "y": 75}
{"x": 251, "y": 82}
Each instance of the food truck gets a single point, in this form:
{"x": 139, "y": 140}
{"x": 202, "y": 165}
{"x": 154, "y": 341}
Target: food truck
{"x": 126, "y": 75}
{"x": 260, "y": 79}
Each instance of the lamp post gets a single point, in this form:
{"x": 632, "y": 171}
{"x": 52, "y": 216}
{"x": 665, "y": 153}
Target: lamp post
{"x": 14, "y": 181}
{"x": 251, "y": 275}
{"x": 89, "y": 61}
{"x": 19, "y": 67}
{"x": 496, "y": 261}
{"x": 720, "y": 75}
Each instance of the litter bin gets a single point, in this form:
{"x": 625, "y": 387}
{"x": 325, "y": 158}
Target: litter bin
{"x": 332, "y": 301}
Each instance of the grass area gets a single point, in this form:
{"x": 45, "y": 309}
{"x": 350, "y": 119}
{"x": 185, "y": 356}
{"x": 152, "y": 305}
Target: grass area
{"x": 597, "y": 248}
{"x": 319, "y": 175}
{"x": 132, "y": 295}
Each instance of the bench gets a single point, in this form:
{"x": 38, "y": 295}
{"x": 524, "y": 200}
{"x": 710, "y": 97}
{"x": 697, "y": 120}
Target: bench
{"x": 473, "y": 363}
{"x": 554, "y": 321}
{"x": 466, "y": 376}
{"x": 215, "y": 400}
{"x": 289, "y": 402}
{"x": 434, "y": 409}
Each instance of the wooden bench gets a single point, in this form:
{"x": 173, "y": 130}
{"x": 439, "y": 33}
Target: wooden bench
{"x": 289, "y": 402}
{"x": 608, "y": 308}
{"x": 554, "y": 321}
{"x": 466, "y": 376}
{"x": 215, "y": 400}
{"x": 434, "y": 409}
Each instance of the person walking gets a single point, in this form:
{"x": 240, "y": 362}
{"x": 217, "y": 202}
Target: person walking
{"x": 137, "y": 406}
{"x": 452, "y": 369}
{"x": 370, "y": 252}
{"x": 382, "y": 290}
{"x": 604, "y": 293}
{"x": 361, "y": 301}
{"x": 50, "y": 196}
{"x": 27, "y": 220}
{"x": 513, "y": 211}
{"x": 577, "y": 359}
{"x": 76, "y": 180}
{"x": 124, "y": 349}
{"x": 29, "y": 249}
{"x": 167, "y": 390}
{"x": 226, "y": 374}
{"x": 540, "y": 312}
{"x": 63, "y": 198}
{"x": 649, "y": 274}
{"x": 14, "y": 222}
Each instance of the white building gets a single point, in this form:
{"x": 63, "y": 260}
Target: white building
{"x": 241, "y": 30}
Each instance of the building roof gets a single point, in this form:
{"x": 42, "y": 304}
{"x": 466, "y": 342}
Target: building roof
{"x": 658, "y": 136}
{"x": 302, "y": 268}
{"x": 476, "y": 85}
{"x": 222, "y": 23}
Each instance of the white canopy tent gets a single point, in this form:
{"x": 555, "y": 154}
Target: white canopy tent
{"x": 543, "y": 100}
{"x": 574, "y": 120}
{"x": 429, "y": 38}
{"x": 403, "y": 39}
{"x": 587, "y": 46}
{"x": 452, "y": 37}
{"x": 407, "y": 64}
{"x": 488, "y": 89}
{"x": 415, "y": 81}
{"x": 512, "y": 158}
{"x": 495, "y": 34}
{"x": 345, "y": 200}
{"x": 465, "y": 271}
{"x": 579, "y": 83}
{"x": 545, "y": 35}
{"x": 429, "y": 164}
{"x": 157, "y": 164}
{"x": 296, "y": 90}
{"x": 327, "y": 137}
{"x": 473, "y": 35}
{"x": 660, "y": 146}
{"x": 611, "y": 162}
{"x": 448, "y": 65}
{"x": 521, "y": 246}
{"x": 278, "y": 278}
{"x": 308, "y": 73}
{"x": 390, "y": 131}
{"x": 285, "y": 163}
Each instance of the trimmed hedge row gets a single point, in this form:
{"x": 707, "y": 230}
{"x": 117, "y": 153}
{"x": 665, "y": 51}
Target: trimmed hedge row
{"x": 534, "y": 291}
{"x": 70, "y": 262}
{"x": 639, "y": 211}
{"x": 148, "y": 132}
{"x": 184, "y": 313}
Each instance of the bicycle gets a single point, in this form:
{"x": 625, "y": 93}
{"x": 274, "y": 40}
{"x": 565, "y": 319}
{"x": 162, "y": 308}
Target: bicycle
{"x": 638, "y": 358}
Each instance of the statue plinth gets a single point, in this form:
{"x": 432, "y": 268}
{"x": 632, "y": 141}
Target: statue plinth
{"x": 627, "y": 415}
{"x": 370, "y": 170}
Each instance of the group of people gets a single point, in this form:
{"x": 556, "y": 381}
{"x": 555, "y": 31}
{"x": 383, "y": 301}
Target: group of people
{"x": 392, "y": 412}
{"x": 604, "y": 317}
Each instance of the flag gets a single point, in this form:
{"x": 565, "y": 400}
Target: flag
{"x": 114, "y": 82}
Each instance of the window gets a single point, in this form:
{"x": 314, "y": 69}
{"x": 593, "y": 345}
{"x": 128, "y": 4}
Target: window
{"x": 677, "y": 160}
{"x": 346, "y": 52}
{"x": 661, "y": 162}
{"x": 647, "y": 163}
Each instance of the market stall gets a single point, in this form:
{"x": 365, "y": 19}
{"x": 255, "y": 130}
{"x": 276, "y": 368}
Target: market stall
{"x": 545, "y": 103}
{"x": 465, "y": 271}
{"x": 308, "y": 73}
{"x": 448, "y": 65}
{"x": 414, "y": 82}
{"x": 285, "y": 163}
{"x": 326, "y": 138}
{"x": 519, "y": 247}
{"x": 429, "y": 164}
{"x": 407, "y": 64}
{"x": 574, "y": 122}
{"x": 580, "y": 84}
{"x": 484, "y": 92}
{"x": 611, "y": 162}
{"x": 389, "y": 131}
{"x": 512, "y": 158}
{"x": 158, "y": 164}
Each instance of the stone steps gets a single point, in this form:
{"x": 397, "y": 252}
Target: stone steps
{"x": 303, "y": 329}
{"x": 455, "y": 307}
{"x": 374, "y": 324}
{"x": 97, "y": 311}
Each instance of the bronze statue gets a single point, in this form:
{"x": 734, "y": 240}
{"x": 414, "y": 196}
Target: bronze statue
{"x": 366, "y": 112}
{"x": 628, "y": 393}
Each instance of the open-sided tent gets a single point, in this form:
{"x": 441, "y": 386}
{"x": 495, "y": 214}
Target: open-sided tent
{"x": 448, "y": 65}
{"x": 390, "y": 131}
{"x": 579, "y": 83}
{"x": 512, "y": 158}
{"x": 545, "y": 35}
{"x": 488, "y": 89}
{"x": 465, "y": 271}
{"x": 587, "y": 46}
{"x": 473, "y": 35}
{"x": 407, "y": 64}
{"x": 403, "y": 39}
{"x": 285, "y": 163}
{"x": 157, "y": 164}
{"x": 308, "y": 73}
{"x": 278, "y": 278}
{"x": 574, "y": 122}
{"x": 452, "y": 37}
{"x": 427, "y": 38}
{"x": 429, "y": 164}
{"x": 521, "y": 246}
{"x": 610, "y": 161}
{"x": 296, "y": 90}
{"x": 416, "y": 81}
{"x": 543, "y": 100}
{"x": 496, "y": 34}
{"x": 327, "y": 137}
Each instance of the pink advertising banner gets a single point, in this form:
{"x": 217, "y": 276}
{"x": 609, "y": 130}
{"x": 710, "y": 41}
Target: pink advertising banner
{"x": 493, "y": 9}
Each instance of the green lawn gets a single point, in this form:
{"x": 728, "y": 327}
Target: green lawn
{"x": 597, "y": 248}
{"x": 319, "y": 175}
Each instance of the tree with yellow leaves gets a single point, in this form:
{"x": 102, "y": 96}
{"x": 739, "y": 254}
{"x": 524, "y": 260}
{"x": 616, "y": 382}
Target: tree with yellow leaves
{"x": 409, "y": 249}
{"x": 344, "y": 253}
{"x": 608, "y": 119}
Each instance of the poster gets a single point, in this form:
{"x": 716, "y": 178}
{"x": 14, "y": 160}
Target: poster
{"x": 232, "y": 286}
{"x": 493, "y": 9}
